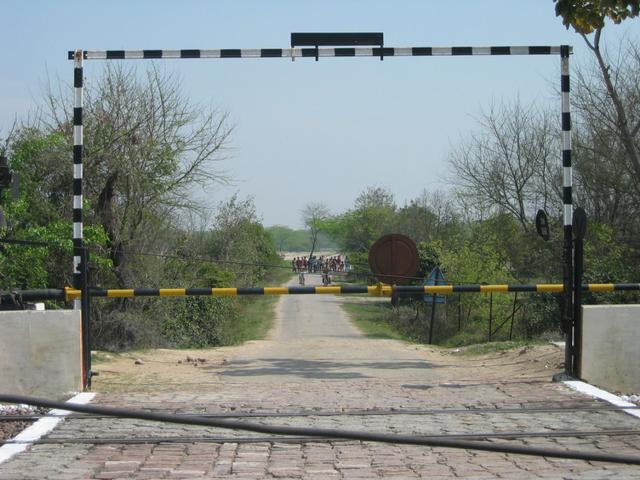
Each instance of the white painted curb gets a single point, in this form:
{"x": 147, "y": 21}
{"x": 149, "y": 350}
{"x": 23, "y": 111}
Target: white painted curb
{"x": 39, "y": 429}
{"x": 588, "y": 389}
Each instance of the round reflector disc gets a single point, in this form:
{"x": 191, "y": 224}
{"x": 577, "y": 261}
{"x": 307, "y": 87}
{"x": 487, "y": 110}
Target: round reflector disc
{"x": 393, "y": 258}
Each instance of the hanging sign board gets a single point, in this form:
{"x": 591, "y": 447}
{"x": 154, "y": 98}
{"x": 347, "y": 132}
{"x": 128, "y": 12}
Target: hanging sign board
{"x": 436, "y": 277}
{"x": 542, "y": 225}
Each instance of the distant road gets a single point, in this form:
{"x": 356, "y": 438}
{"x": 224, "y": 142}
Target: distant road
{"x": 314, "y": 339}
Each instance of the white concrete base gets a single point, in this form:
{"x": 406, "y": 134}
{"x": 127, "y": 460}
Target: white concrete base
{"x": 604, "y": 395}
{"x": 611, "y": 347}
{"x": 35, "y": 432}
{"x": 40, "y": 352}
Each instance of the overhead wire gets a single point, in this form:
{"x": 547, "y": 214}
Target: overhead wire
{"x": 364, "y": 273}
{"x": 212, "y": 259}
{"x": 203, "y": 258}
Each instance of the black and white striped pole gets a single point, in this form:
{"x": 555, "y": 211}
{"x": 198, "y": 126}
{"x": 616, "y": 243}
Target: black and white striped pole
{"x": 567, "y": 201}
{"x": 77, "y": 171}
{"x": 80, "y": 254}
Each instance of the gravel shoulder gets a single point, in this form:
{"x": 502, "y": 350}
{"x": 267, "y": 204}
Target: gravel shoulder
{"x": 164, "y": 370}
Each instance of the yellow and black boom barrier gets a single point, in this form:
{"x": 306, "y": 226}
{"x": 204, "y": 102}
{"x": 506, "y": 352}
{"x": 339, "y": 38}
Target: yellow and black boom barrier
{"x": 380, "y": 290}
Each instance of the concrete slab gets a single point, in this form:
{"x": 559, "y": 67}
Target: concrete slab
{"x": 40, "y": 352}
{"x": 610, "y": 353}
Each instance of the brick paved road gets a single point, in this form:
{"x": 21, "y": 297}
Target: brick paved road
{"x": 316, "y": 363}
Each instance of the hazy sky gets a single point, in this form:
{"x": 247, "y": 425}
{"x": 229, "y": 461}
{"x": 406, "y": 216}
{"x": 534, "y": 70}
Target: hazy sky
{"x": 305, "y": 130}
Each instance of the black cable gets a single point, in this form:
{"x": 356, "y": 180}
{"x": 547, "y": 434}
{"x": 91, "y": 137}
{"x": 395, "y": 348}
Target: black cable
{"x": 363, "y": 413}
{"x": 323, "y": 432}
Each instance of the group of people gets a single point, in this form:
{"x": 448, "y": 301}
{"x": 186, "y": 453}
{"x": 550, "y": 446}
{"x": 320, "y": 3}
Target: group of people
{"x": 320, "y": 264}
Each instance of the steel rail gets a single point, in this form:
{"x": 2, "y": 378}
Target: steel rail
{"x": 365, "y": 436}
{"x": 308, "y": 438}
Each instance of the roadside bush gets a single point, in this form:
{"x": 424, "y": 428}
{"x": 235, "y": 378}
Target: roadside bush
{"x": 195, "y": 322}
{"x": 542, "y": 316}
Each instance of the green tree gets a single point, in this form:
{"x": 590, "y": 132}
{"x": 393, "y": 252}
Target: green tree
{"x": 146, "y": 146}
{"x": 371, "y": 217}
{"x": 607, "y": 142}
{"x": 607, "y": 260}
{"x": 509, "y": 164}
{"x": 314, "y": 215}
{"x": 36, "y": 215}
{"x": 586, "y": 16}
{"x": 282, "y": 237}
{"x": 430, "y": 216}
{"x": 240, "y": 242}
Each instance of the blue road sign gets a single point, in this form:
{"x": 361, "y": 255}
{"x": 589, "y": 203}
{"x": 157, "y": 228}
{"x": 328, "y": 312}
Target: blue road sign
{"x": 436, "y": 277}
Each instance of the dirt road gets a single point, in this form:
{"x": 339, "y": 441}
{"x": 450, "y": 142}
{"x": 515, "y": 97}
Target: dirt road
{"x": 314, "y": 340}
{"x": 316, "y": 370}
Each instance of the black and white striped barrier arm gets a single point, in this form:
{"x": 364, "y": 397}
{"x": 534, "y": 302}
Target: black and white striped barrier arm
{"x": 320, "y": 52}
